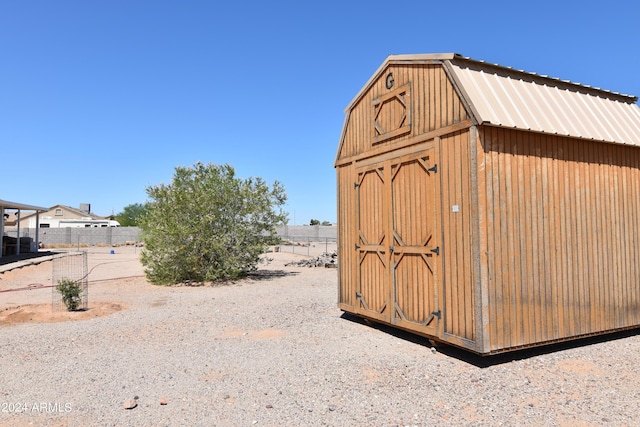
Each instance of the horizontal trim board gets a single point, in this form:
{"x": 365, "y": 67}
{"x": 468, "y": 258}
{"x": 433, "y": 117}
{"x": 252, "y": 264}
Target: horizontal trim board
{"x": 408, "y": 142}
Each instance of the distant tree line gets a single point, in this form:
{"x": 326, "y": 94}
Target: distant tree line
{"x": 317, "y": 222}
{"x": 131, "y": 215}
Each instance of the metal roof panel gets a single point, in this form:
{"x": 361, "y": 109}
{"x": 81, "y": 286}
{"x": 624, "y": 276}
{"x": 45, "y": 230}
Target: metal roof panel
{"x": 509, "y": 98}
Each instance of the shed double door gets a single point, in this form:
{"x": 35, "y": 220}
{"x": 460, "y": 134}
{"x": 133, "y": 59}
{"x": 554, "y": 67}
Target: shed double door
{"x": 398, "y": 241}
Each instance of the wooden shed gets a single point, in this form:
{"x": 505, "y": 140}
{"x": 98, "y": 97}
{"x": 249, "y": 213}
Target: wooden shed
{"x": 489, "y": 208}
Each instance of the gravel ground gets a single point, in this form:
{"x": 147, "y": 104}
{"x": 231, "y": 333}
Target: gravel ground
{"x": 274, "y": 350}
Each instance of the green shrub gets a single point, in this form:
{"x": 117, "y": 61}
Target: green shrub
{"x": 70, "y": 291}
{"x": 208, "y": 225}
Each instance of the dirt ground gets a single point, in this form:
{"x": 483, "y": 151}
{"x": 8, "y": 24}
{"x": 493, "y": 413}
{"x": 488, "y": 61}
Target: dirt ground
{"x": 272, "y": 350}
{"x": 27, "y": 292}
{"x": 116, "y": 276}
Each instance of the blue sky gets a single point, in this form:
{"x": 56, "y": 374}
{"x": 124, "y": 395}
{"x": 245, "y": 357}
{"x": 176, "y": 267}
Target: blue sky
{"x": 101, "y": 99}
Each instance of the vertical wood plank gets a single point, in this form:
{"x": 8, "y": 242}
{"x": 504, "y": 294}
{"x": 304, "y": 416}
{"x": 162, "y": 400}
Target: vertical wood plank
{"x": 469, "y": 201}
{"x": 481, "y": 296}
{"x": 528, "y": 236}
{"x": 448, "y": 117}
{"x": 578, "y": 283}
{"x": 614, "y": 247}
{"x": 634, "y": 213}
{"x": 563, "y": 295}
{"x": 534, "y": 197}
{"x": 417, "y": 100}
{"x": 554, "y": 225}
{"x": 574, "y": 318}
{"x": 592, "y": 243}
{"x": 624, "y": 230}
{"x": 547, "y": 284}
{"x": 503, "y": 296}
{"x": 524, "y": 235}
{"x": 491, "y": 340}
{"x": 511, "y": 279}
{"x": 449, "y": 153}
{"x": 636, "y": 235}
{"x": 608, "y": 233}
{"x": 459, "y": 219}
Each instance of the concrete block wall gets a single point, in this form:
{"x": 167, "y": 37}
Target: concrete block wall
{"x": 85, "y": 236}
{"x": 312, "y": 233}
{"x": 120, "y": 235}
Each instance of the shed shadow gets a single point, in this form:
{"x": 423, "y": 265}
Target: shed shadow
{"x": 496, "y": 359}
{"x": 526, "y": 353}
{"x": 264, "y": 275}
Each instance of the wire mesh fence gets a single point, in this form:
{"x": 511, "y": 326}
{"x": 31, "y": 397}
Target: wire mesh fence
{"x": 307, "y": 245}
{"x": 71, "y": 283}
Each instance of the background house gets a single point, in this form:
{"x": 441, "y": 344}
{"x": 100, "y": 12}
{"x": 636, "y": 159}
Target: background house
{"x": 53, "y": 216}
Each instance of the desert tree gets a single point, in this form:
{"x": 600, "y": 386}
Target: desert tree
{"x": 131, "y": 214}
{"x": 208, "y": 224}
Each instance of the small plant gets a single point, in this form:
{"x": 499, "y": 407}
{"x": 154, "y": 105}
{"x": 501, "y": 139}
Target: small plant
{"x": 70, "y": 291}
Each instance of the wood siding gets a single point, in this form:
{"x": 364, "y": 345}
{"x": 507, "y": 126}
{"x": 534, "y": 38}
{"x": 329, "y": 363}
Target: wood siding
{"x": 389, "y": 205}
{"x": 346, "y": 213}
{"x": 457, "y": 219}
{"x": 414, "y": 225}
{"x": 372, "y": 240}
{"x": 434, "y": 104}
{"x": 562, "y": 220}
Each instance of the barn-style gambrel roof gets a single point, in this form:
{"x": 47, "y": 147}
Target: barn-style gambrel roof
{"x": 505, "y": 97}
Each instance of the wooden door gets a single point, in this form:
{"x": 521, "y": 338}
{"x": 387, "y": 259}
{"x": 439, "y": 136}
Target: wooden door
{"x": 372, "y": 243}
{"x": 397, "y": 241}
{"x": 415, "y": 248}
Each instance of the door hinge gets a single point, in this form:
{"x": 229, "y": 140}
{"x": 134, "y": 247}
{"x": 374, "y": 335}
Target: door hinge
{"x": 356, "y": 185}
{"x": 436, "y": 250}
{"x": 437, "y": 314}
{"x": 433, "y": 169}
{"x": 358, "y": 295}
{"x": 391, "y": 249}
{"x": 357, "y": 247}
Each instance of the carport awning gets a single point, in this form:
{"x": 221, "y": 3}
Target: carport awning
{"x": 21, "y": 206}
{"x": 4, "y": 204}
